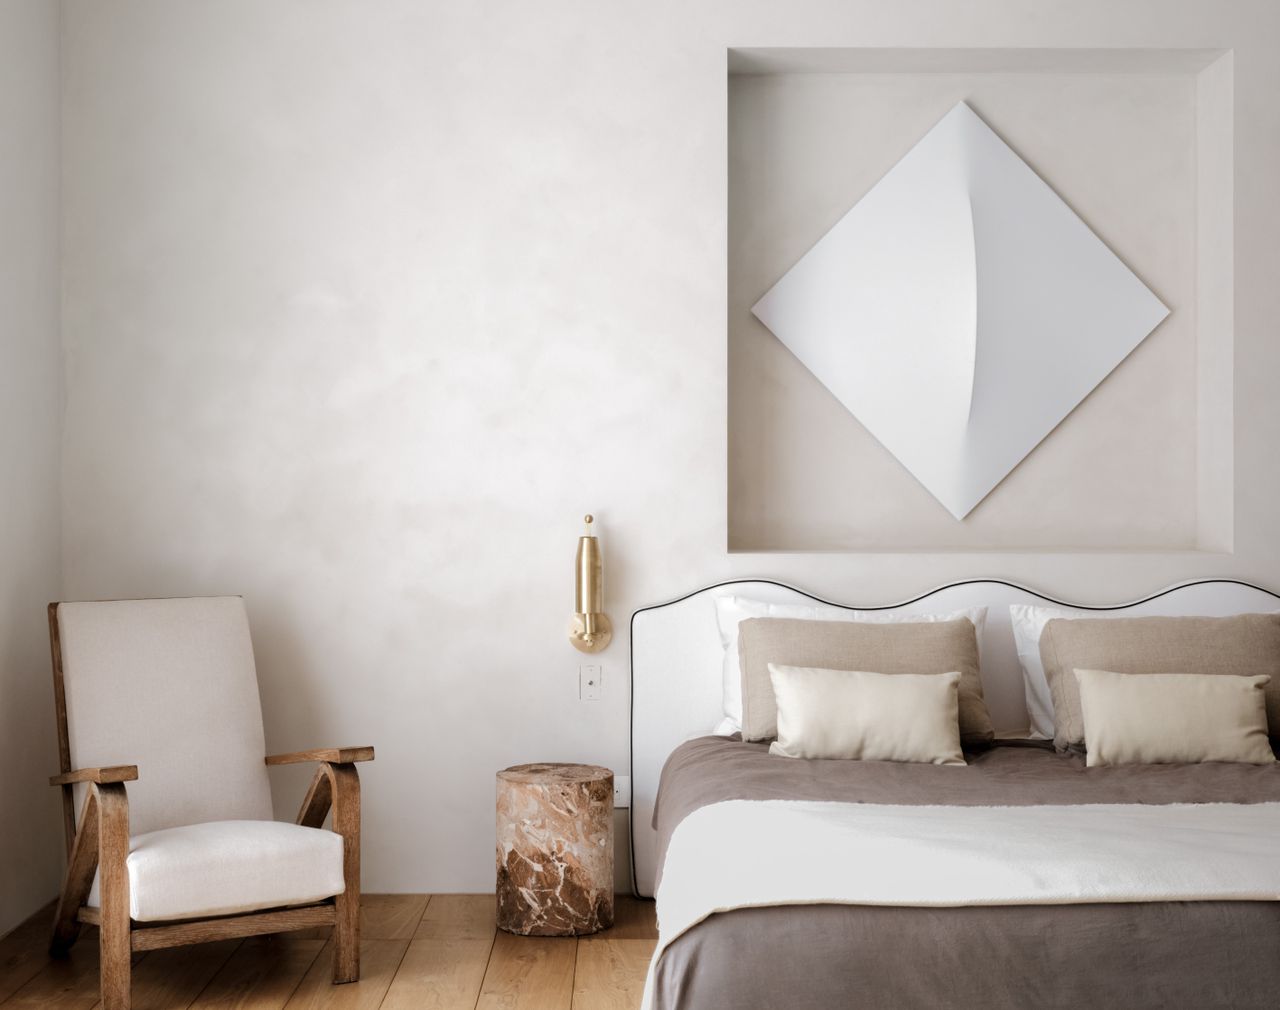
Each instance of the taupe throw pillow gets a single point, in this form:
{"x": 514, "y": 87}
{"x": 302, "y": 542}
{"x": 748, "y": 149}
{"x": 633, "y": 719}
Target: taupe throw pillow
{"x": 1247, "y": 645}
{"x": 936, "y": 647}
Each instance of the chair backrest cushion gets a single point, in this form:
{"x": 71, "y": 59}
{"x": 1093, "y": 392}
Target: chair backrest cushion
{"x": 169, "y": 686}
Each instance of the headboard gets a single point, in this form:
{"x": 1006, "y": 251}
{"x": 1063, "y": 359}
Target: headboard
{"x": 677, "y": 659}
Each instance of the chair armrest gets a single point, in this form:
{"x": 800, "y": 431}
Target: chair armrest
{"x": 102, "y": 776}
{"x": 332, "y": 755}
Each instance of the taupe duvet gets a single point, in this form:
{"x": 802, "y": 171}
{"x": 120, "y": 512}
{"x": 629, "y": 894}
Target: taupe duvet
{"x": 1167, "y": 954}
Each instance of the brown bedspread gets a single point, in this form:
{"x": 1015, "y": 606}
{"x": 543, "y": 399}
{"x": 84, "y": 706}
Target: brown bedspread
{"x": 1132, "y": 956}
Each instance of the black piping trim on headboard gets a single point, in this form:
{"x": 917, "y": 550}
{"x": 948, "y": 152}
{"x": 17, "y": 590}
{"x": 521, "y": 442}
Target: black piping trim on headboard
{"x": 631, "y": 656}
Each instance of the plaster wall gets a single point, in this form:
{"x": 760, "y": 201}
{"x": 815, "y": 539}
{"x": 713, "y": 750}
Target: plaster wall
{"x": 365, "y": 304}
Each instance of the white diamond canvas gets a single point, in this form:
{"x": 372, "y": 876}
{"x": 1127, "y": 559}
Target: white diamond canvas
{"x": 960, "y": 310}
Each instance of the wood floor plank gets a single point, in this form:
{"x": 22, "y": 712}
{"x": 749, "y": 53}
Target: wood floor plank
{"x": 24, "y": 951}
{"x": 379, "y": 960}
{"x": 440, "y": 975}
{"x": 458, "y": 917}
{"x": 633, "y": 919}
{"x": 419, "y": 953}
{"x": 261, "y": 975}
{"x": 171, "y": 979}
{"x": 382, "y": 917}
{"x": 610, "y": 973}
{"x": 68, "y": 983}
{"x": 391, "y": 916}
{"x": 529, "y": 973}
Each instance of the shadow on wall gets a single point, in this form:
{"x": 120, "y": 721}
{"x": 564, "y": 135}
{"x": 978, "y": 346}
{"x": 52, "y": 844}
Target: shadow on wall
{"x": 31, "y": 837}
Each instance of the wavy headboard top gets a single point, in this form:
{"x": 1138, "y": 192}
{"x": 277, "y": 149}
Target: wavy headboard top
{"x": 677, "y": 660}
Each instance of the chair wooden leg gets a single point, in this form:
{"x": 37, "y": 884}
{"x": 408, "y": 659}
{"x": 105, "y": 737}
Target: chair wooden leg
{"x": 346, "y": 821}
{"x": 116, "y": 955}
{"x": 346, "y": 940}
{"x": 81, "y": 867}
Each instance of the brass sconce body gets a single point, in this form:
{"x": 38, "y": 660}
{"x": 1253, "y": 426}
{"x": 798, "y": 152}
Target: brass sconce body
{"x": 590, "y": 630}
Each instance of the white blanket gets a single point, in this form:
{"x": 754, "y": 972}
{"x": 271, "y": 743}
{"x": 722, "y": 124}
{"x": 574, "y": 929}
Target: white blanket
{"x": 743, "y": 853}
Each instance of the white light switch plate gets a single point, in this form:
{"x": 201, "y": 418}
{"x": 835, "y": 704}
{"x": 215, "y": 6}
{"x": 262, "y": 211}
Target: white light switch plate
{"x": 590, "y": 683}
{"x": 621, "y": 791}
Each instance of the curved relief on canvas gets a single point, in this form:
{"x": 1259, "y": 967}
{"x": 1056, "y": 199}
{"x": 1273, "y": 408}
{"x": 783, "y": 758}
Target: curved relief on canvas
{"x": 960, "y": 310}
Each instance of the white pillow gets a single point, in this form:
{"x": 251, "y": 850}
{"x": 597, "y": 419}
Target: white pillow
{"x": 858, "y": 716}
{"x": 733, "y": 610}
{"x": 1028, "y": 624}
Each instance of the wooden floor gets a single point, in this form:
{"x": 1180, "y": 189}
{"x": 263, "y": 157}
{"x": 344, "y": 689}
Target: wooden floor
{"x": 419, "y": 952}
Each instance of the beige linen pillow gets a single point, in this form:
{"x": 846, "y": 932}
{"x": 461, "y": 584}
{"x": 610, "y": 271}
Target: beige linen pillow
{"x": 862, "y": 716}
{"x": 897, "y": 649}
{"x": 1247, "y": 645}
{"x": 1158, "y": 718}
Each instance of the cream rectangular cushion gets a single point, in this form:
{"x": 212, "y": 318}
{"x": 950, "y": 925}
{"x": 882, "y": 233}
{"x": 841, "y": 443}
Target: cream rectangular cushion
{"x": 864, "y": 716}
{"x": 225, "y": 867}
{"x": 1158, "y": 718}
{"x": 171, "y": 686}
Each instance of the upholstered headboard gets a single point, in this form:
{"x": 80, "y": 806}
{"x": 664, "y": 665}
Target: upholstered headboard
{"x": 677, "y": 659}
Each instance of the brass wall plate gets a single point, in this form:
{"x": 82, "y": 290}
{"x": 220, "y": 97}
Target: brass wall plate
{"x": 599, "y": 641}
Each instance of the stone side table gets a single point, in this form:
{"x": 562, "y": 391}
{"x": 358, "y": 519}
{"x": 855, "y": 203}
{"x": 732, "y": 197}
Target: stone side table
{"x": 555, "y": 849}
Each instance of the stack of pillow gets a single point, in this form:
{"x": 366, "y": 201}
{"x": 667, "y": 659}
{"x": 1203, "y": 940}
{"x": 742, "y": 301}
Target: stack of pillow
{"x": 821, "y": 682}
{"x": 1147, "y": 690}
{"x": 824, "y": 682}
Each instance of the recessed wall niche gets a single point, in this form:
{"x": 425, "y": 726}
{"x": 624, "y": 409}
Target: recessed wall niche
{"x": 1139, "y": 144}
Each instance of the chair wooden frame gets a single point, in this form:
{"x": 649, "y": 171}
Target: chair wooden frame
{"x": 98, "y": 842}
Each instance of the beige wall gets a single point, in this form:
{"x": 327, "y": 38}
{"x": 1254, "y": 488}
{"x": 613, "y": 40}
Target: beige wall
{"x": 30, "y": 412}
{"x": 366, "y": 303}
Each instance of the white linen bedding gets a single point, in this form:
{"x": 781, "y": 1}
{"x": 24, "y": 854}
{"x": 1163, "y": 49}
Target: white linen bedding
{"x": 783, "y": 852}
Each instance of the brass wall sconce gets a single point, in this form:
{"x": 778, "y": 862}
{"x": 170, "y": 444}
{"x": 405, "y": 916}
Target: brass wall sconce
{"x": 590, "y": 630}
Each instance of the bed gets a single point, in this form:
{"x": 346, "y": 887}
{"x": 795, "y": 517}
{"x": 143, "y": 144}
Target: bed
{"x": 1050, "y": 924}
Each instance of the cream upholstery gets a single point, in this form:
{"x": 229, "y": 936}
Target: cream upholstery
{"x": 224, "y": 867}
{"x": 169, "y": 686}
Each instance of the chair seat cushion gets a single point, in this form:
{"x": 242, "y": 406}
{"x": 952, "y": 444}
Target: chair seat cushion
{"x": 225, "y": 867}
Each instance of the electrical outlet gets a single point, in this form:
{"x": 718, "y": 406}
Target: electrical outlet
{"x": 622, "y": 791}
{"x": 590, "y": 683}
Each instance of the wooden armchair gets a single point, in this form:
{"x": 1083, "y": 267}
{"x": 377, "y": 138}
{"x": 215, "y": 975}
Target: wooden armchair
{"x": 190, "y": 852}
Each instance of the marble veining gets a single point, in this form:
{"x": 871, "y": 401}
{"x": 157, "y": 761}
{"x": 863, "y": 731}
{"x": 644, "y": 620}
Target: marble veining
{"x": 555, "y": 849}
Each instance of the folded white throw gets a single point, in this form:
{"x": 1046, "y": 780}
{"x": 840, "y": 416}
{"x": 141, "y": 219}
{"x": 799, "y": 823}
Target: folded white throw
{"x": 744, "y": 853}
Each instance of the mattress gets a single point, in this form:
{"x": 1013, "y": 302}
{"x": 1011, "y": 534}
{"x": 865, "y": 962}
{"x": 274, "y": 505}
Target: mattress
{"x": 1135, "y": 955}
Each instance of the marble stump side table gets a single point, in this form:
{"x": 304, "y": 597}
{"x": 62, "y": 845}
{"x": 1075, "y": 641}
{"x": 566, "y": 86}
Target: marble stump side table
{"x": 555, "y": 849}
